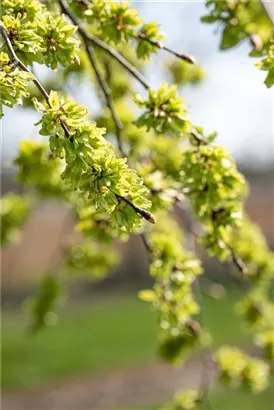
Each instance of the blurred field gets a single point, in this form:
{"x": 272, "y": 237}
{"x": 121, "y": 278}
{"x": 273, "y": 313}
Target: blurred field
{"x": 117, "y": 332}
{"x": 112, "y": 332}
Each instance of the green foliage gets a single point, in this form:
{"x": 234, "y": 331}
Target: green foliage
{"x": 97, "y": 224}
{"x": 14, "y": 83}
{"x": 239, "y": 19}
{"x": 239, "y": 369}
{"x": 117, "y": 20}
{"x": 216, "y": 190}
{"x": 39, "y": 35}
{"x": 250, "y": 244}
{"x": 165, "y": 112}
{"x": 185, "y": 400}
{"x": 25, "y": 8}
{"x": 41, "y": 308}
{"x": 152, "y": 34}
{"x": 90, "y": 257}
{"x": 24, "y": 36}
{"x": 91, "y": 164}
{"x": 46, "y": 179}
{"x": 267, "y": 64}
{"x": 243, "y": 19}
{"x": 60, "y": 47}
{"x": 258, "y": 309}
{"x": 15, "y": 210}
{"x": 174, "y": 271}
{"x": 184, "y": 73}
{"x": 265, "y": 340}
{"x": 171, "y": 161}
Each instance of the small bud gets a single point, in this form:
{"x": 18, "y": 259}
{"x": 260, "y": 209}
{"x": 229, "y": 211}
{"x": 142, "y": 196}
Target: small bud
{"x": 188, "y": 59}
{"x": 147, "y": 215}
{"x": 256, "y": 42}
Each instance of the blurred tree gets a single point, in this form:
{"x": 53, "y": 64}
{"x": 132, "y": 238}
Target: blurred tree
{"x": 173, "y": 164}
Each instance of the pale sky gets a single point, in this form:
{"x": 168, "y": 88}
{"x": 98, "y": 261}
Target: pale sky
{"x": 232, "y": 100}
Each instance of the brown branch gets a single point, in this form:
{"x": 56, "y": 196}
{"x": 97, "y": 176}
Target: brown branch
{"x": 160, "y": 46}
{"x": 107, "y": 94}
{"x": 145, "y": 214}
{"x": 95, "y": 41}
{"x": 147, "y": 247}
{"x": 238, "y": 262}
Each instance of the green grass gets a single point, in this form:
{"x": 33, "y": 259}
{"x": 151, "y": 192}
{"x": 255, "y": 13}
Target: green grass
{"x": 88, "y": 339}
{"x": 107, "y": 334}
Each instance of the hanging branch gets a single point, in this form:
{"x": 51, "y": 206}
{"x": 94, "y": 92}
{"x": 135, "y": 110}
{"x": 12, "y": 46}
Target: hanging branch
{"x": 238, "y": 262}
{"x": 107, "y": 94}
{"x": 17, "y": 62}
{"x": 160, "y": 46}
{"x": 95, "y": 41}
{"x": 90, "y": 39}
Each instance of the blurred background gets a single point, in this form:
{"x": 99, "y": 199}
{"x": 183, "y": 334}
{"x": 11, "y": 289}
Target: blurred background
{"x": 102, "y": 352}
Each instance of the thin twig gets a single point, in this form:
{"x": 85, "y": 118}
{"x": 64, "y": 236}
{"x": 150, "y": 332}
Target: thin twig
{"x": 147, "y": 247}
{"x": 101, "y": 44}
{"x": 17, "y": 62}
{"x": 107, "y": 93}
{"x": 145, "y": 214}
{"x": 238, "y": 262}
{"x": 191, "y": 230}
{"x": 200, "y": 140}
{"x": 160, "y": 46}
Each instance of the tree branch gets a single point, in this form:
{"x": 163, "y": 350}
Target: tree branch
{"x": 101, "y": 44}
{"x": 90, "y": 40}
{"x": 160, "y": 46}
{"x": 145, "y": 214}
{"x": 107, "y": 93}
{"x": 17, "y": 62}
{"x": 238, "y": 262}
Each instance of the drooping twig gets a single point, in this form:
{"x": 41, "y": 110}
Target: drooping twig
{"x": 145, "y": 214}
{"x": 192, "y": 228}
{"x": 95, "y": 41}
{"x": 147, "y": 247}
{"x": 160, "y": 46}
{"x": 17, "y": 62}
{"x": 192, "y": 232}
{"x": 100, "y": 79}
{"x": 238, "y": 262}
{"x": 107, "y": 93}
